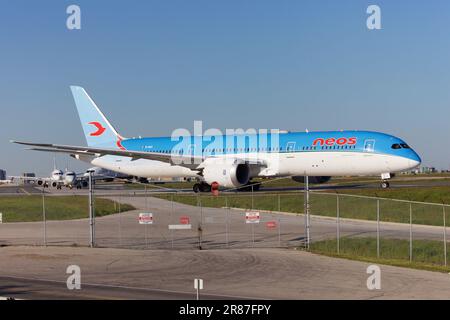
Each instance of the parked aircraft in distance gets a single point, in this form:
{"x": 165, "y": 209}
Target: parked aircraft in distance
{"x": 226, "y": 161}
{"x": 57, "y": 179}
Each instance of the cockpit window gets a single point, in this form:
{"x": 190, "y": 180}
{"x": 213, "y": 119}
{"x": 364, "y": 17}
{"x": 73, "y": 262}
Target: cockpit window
{"x": 395, "y": 146}
{"x": 404, "y": 145}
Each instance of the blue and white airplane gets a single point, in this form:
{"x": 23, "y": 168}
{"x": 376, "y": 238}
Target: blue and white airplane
{"x": 231, "y": 161}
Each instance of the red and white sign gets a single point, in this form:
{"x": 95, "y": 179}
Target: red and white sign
{"x": 146, "y": 218}
{"x": 271, "y": 224}
{"x": 184, "y": 220}
{"x": 252, "y": 217}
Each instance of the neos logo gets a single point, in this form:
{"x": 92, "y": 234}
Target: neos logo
{"x": 334, "y": 141}
{"x": 99, "y": 127}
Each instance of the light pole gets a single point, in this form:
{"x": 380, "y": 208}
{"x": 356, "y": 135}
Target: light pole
{"x": 91, "y": 212}
{"x": 306, "y": 209}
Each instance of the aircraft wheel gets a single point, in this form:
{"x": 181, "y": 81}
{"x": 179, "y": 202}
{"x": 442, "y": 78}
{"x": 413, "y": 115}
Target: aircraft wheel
{"x": 196, "y": 188}
{"x": 204, "y": 187}
{"x": 384, "y": 185}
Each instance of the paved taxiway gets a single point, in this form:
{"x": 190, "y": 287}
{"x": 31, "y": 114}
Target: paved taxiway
{"x": 37, "y": 272}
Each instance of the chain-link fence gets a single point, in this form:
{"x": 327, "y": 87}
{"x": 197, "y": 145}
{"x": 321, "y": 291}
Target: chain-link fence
{"x": 340, "y": 224}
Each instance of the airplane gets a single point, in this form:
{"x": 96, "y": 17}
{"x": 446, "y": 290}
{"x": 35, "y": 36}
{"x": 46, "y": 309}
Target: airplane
{"x": 57, "y": 179}
{"x": 215, "y": 163}
{"x": 7, "y": 181}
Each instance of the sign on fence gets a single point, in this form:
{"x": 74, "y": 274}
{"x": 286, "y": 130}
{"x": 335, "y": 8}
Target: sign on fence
{"x": 252, "y": 217}
{"x": 146, "y": 218}
{"x": 184, "y": 220}
{"x": 271, "y": 224}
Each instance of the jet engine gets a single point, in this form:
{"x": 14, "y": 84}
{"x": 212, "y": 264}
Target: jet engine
{"x": 227, "y": 173}
{"x": 317, "y": 179}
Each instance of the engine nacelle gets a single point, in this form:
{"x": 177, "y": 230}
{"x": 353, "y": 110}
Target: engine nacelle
{"x": 318, "y": 179}
{"x": 227, "y": 173}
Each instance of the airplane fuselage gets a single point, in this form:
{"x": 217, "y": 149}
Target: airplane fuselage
{"x": 333, "y": 153}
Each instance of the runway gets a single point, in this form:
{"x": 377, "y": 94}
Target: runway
{"x": 40, "y": 273}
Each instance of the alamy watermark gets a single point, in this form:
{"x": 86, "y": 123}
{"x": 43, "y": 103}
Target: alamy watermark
{"x": 248, "y": 145}
{"x": 374, "y": 280}
{"x": 74, "y": 280}
{"x": 373, "y": 22}
{"x": 73, "y": 21}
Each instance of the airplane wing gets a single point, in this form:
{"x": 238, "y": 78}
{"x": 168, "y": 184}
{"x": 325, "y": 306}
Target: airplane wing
{"x": 182, "y": 160}
{"x": 188, "y": 161}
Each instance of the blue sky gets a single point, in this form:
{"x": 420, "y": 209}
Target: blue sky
{"x": 153, "y": 66}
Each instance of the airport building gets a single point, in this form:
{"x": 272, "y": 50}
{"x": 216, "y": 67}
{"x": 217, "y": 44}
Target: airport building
{"x": 2, "y": 174}
{"x": 428, "y": 170}
{"x": 28, "y": 175}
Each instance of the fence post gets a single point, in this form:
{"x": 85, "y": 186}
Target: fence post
{"x": 253, "y": 200}
{"x": 306, "y": 209}
{"x": 445, "y": 236}
{"x": 279, "y": 232}
{"x": 200, "y": 228}
{"x": 171, "y": 218}
{"x": 146, "y": 236}
{"x": 91, "y": 211}
{"x": 410, "y": 233}
{"x": 338, "y": 226}
{"x": 279, "y": 203}
{"x": 171, "y": 207}
{"x": 227, "y": 221}
{"x": 378, "y": 228}
{"x": 120, "y": 222}
{"x": 253, "y": 234}
{"x": 44, "y": 217}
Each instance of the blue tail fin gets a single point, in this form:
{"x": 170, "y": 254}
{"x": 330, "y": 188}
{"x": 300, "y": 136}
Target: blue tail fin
{"x": 97, "y": 129}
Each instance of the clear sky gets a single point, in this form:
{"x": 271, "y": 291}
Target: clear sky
{"x": 154, "y": 66}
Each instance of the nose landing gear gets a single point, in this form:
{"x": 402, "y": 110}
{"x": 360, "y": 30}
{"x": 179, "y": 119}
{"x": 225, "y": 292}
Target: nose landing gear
{"x": 384, "y": 183}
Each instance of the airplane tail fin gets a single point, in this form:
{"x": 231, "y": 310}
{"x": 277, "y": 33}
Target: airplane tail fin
{"x": 97, "y": 129}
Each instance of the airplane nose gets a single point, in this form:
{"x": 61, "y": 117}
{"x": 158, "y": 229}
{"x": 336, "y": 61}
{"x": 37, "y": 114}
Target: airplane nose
{"x": 413, "y": 164}
{"x": 415, "y": 161}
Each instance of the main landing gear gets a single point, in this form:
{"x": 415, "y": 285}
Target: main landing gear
{"x": 201, "y": 187}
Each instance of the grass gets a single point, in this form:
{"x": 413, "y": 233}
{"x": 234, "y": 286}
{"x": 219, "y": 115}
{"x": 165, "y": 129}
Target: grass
{"x": 426, "y": 254}
{"x": 325, "y": 204}
{"x": 438, "y": 194}
{"x": 29, "y": 208}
